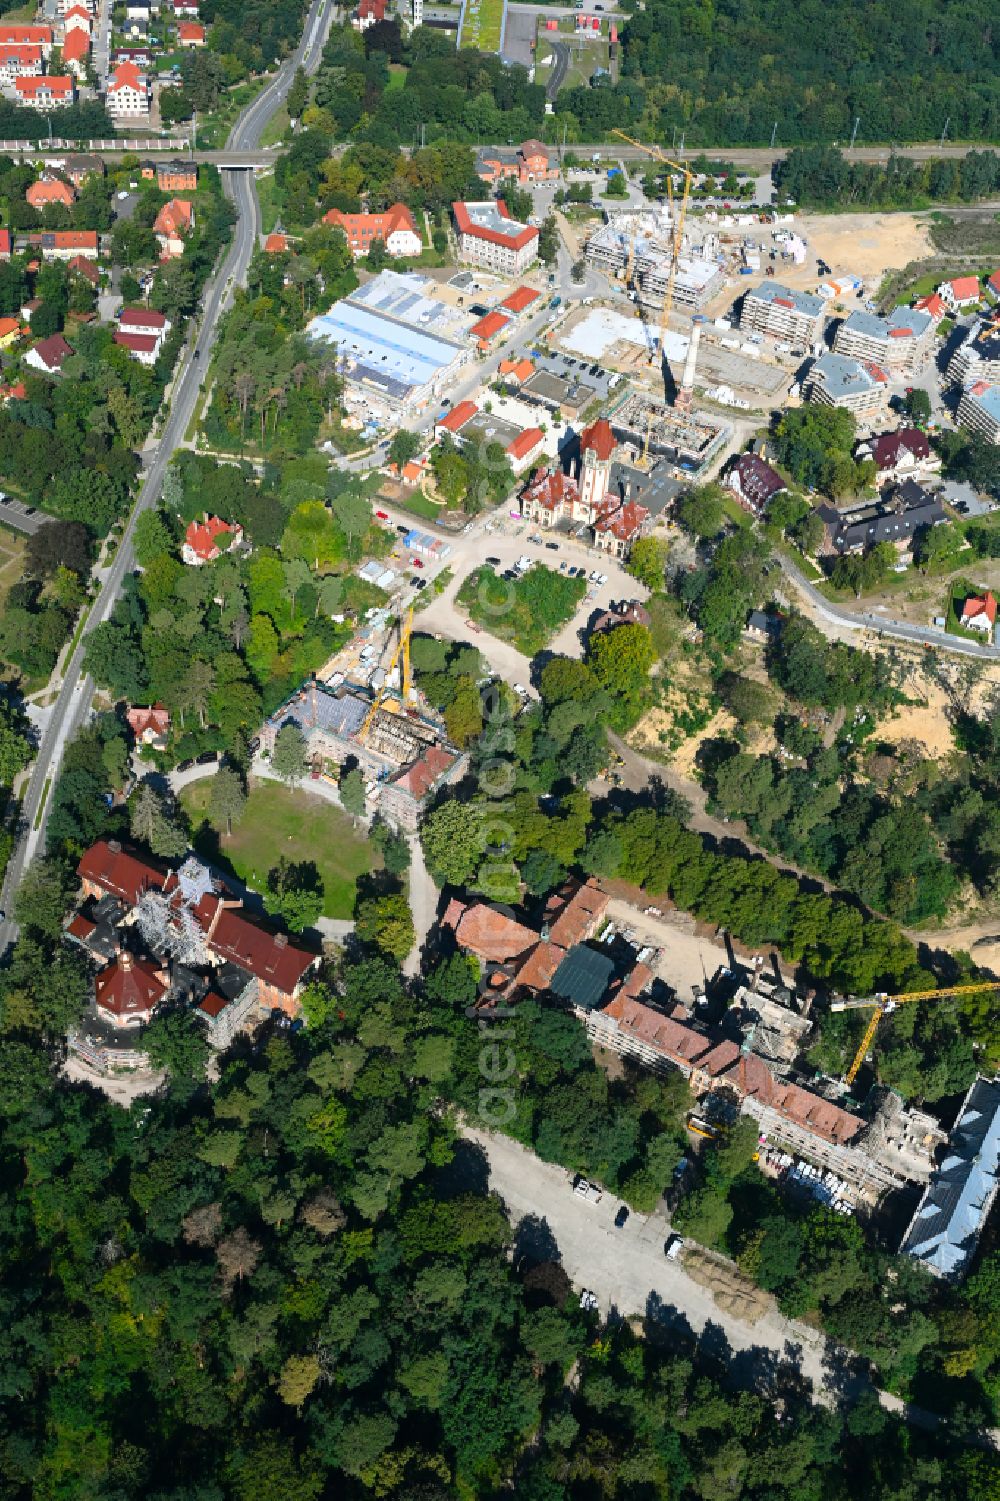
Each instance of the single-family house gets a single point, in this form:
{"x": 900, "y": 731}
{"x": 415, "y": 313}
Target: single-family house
{"x": 905, "y": 454}
{"x": 10, "y": 332}
{"x": 49, "y": 355}
{"x": 172, "y": 225}
{"x": 190, "y": 34}
{"x": 754, "y": 482}
{"x": 960, "y": 292}
{"x": 979, "y": 613}
{"x": 207, "y": 539}
{"x": 150, "y": 726}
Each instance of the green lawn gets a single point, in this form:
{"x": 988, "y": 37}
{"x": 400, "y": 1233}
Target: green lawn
{"x": 526, "y": 612}
{"x": 280, "y": 821}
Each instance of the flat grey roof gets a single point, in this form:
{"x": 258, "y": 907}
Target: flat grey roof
{"x": 802, "y": 302}
{"x": 841, "y": 375}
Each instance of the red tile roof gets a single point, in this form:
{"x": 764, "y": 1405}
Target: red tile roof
{"x": 419, "y": 778}
{"x": 141, "y": 317}
{"x": 932, "y": 304}
{"x": 270, "y": 956}
{"x": 519, "y": 299}
{"x": 129, "y": 987}
{"x": 965, "y": 288}
{"x": 65, "y": 239}
{"x": 84, "y": 267}
{"x": 467, "y": 226}
{"x": 580, "y": 915}
{"x": 980, "y": 604}
{"x": 459, "y": 416}
{"x": 599, "y": 439}
{"x": 487, "y": 328}
{"x": 117, "y": 871}
{"x": 76, "y": 46}
{"x": 487, "y": 933}
{"x": 275, "y": 244}
{"x": 156, "y": 718}
{"x": 190, "y": 31}
{"x": 173, "y": 218}
{"x": 362, "y": 229}
{"x": 550, "y": 488}
{"x": 53, "y": 351}
{"x": 203, "y": 536}
{"x": 127, "y": 76}
{"x": 137, "y": 343}
{"x": 525, "y": 442}
{"x": 212, "y": 1004}
{"x": 519, "y": 369}
{"x": 23, "y": 54}
{"x": 5, "y": 242}
{"x": 41, "y": 35}
{"x": 623, "y": 519}
{"x": 59, "y": 84}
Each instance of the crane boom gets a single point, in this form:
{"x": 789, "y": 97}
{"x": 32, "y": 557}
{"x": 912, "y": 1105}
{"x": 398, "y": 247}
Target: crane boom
{"x": 881, "y": 1004}
{"x": 402, "y": 650}
{"x": 676, "y": 226}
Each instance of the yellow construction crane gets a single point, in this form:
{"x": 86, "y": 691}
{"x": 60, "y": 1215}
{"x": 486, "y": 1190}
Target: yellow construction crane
{"x": 882, "y": 1005}
{"x": 402, "y": 650}
{"x": 676, "y": 224}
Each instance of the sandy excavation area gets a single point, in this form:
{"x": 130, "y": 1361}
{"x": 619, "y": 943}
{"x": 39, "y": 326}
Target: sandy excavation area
{"x": 867, "y": 245}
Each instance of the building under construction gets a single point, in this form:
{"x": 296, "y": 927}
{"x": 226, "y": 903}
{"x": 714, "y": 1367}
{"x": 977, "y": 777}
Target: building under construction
{"x": 643, "y": 243}
{"x": 397, "y": 748}
{"x": 685, "y": 439}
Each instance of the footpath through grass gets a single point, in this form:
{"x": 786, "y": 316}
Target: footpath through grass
{"x": 293, "y": 822}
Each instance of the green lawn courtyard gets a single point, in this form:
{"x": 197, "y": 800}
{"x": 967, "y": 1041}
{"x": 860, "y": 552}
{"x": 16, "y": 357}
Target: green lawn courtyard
{"x": 293, "y": 822}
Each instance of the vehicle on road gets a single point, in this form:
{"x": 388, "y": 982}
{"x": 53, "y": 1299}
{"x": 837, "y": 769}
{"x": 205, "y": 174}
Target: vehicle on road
{"x": 416, "y": 563}
{"x": 552, "y": 546}
{"x": 382, "y": 515}
{"x": 673, "y": 1246}
{"x": 621, "y": 1218}
{"x": 587, "y": 1190}
{"x": 493, "y": 562}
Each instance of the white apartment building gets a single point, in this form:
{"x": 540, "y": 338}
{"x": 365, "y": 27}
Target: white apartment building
{"x": 979, "y": 410}
{"x": 488, "y": 237}
{"x": 777, "y": 311}
{"x": 900, "y": 343}
{"x": 128, "y": 93}
{"x": 837, "y": 381}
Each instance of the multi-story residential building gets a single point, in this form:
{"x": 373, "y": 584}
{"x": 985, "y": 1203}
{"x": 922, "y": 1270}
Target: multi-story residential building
{"x": 773, "y": 309}
{"x": 128, "y": 92}
{"x": 77, "y": 18}
{"x": 49, "y": 92}
{"x": 30, "y": 36}
{"x": 530, "y": 162}
{"x": 177, "y": 177}
{"x": 978, "y": 356}
{"x": 837, "y": 381}
{"x": 64, "y": 244}
{"x": 50, "y": 190}
{"x": 19, "y": 60}
{"x": 75, "y": 52}
{"x": 900, "y": 343}
{"x": 755, "y": 482}
{"x": 395, "y": 227}
{"x": 489, "y": 237}
{"x": 896, "y": 519}
{"x": 979, "y": 410}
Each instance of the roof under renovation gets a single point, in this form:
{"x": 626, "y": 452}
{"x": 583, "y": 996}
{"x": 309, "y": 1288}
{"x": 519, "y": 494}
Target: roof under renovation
{"x": 945, "y": 1230}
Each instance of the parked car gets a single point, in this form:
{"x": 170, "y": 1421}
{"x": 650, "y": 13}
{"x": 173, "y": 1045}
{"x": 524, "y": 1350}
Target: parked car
{"x": 416, "y": 563}
{"x": 493, "y": 562}
{"x": 207, "y": 758}
{"x": 382, "y": 515}
{"x": 621, "y": 1218}
{"x": 672, "y": 1247}
{"x": 552, "y": 546}
{"x": 420, "y": 583}
{"x": 586, "y": 1190}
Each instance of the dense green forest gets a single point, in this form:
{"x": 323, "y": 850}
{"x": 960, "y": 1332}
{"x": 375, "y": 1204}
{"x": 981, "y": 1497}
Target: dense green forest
{"x": 821, "y": 176}
{"x": 726, "y": 71}
{"x": 292, "y": 1284}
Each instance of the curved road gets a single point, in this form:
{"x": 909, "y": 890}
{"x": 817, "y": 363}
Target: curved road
{"x": 917, "y": 635}
{"x": 75, "y": 695}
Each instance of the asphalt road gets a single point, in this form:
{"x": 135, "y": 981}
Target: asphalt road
{"x": 899, "y": 630}
{"x": 75, "y": 695}
{"x": 560, "y": 68}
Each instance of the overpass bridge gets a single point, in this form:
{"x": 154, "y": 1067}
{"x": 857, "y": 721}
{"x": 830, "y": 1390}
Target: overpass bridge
{"x": 115, "y": 149}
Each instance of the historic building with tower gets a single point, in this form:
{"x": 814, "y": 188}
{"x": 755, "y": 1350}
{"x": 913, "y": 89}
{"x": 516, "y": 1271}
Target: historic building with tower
{"x": 553, "y": 497}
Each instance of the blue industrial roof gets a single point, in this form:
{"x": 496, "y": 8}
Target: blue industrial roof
{"x": 387, "y": 329}
{"x": 950, "y": 1217}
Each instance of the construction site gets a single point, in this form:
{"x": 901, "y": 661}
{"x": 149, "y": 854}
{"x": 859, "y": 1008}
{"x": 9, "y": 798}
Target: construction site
{"x": 685, "y": 439}
{"x": 381, "y": 724}
{"x": 640, "y": 244}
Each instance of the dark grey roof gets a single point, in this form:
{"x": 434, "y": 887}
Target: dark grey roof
{"x": 583, "y": 977}
{"x": 950, "y": 1217}
{"x": 896, "y": 519}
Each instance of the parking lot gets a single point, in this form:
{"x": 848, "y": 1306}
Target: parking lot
{"x": 23, "y": 518}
